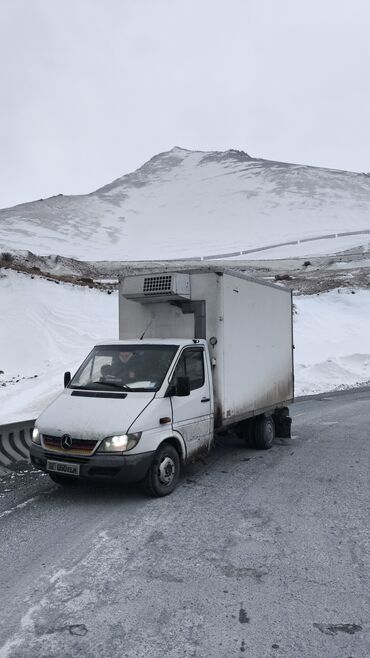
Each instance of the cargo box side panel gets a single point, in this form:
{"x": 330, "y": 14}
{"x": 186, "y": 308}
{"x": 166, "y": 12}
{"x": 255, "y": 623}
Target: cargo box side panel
{"x": 257, "y": 344}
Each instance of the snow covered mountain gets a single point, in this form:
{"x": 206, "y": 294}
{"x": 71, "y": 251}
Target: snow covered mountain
{"x": 187, "y": 204}
{"x": 191, "y": 203}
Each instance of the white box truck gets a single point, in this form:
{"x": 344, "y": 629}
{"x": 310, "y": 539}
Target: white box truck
{"x": 199, "y": 351}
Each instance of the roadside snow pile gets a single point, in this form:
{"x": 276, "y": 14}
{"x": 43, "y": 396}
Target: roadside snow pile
{"x": 332, "y": 340}
{"x": 45, "y": 329}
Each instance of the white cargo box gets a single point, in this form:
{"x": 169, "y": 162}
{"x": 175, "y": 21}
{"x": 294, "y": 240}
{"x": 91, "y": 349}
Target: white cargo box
{"x": 247, "y": 323}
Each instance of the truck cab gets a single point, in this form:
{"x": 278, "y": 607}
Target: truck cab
{"x": 127, "y": 400}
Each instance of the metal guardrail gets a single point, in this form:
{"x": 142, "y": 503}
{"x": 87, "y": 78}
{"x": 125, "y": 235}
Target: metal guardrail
{"x": 247, "y": 252}
{"x": 15, "y": 441}
{"x": 284, "y": 244}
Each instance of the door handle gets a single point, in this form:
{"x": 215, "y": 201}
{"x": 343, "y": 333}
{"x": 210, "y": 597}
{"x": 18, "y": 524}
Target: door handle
{"x": 205, "y": 399}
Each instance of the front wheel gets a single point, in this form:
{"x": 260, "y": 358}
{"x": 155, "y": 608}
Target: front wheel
{"x": 164, "y": 472}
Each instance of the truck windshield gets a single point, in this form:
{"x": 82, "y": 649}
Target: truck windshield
{"x": 125, "y": 368}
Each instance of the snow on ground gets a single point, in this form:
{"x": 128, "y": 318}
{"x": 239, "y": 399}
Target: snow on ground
{"x": 47, "y": 328}
{"x": 332, "y": 340}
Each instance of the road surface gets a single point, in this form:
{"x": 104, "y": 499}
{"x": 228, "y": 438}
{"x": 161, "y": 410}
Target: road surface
{"x": 254, "y": 555}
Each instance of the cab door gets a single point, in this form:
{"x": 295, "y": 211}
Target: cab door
{"x": 192, "y": 415}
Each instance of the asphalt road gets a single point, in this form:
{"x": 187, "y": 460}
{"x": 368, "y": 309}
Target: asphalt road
{"x": 254, "y": 555}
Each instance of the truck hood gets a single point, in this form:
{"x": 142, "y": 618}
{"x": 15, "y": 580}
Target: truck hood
{"x": 88, "y": 417}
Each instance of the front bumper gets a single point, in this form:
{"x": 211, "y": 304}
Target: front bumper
{"x": 123, "y": 468}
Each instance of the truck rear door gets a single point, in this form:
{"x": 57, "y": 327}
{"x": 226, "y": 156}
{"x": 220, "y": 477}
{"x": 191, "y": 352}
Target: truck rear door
{"x": 193, "y": 414}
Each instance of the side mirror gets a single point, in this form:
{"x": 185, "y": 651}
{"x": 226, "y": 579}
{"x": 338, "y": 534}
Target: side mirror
{"x": 182, "y": 386}
{"x": 67, "y": 379}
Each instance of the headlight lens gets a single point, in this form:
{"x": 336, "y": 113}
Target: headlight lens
{"x": 36, "y": 438}
{"x": 120, "y": 443}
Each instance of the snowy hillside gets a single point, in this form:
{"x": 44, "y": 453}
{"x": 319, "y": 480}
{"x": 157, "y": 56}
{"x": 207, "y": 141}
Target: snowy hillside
{"x": 49, "y": 328}
{"x": 191, "y": 203}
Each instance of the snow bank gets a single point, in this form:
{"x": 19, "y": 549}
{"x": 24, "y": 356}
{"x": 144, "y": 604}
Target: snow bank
{"x": 45, "y": 329}
{"x": 332, "y": 340}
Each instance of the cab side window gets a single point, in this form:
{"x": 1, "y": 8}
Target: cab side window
{"x": 191, "y": 364}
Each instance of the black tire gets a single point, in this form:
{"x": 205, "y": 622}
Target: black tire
{"x": 62, "y": 479}
{"x": 164, "y": 472}
{"x": 264, "y": 432}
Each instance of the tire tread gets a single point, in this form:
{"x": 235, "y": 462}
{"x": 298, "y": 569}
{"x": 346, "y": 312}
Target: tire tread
{"x": 151, "y": 487}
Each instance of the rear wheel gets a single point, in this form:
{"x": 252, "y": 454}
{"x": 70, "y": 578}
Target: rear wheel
{"x": 264, "y": 432}
{"x": 164, "y": 472}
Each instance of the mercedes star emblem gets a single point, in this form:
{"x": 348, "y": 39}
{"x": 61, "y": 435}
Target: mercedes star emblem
{"x": 66, "y": 441}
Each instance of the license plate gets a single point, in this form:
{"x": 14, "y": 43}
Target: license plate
{"x": 63, "y": 467}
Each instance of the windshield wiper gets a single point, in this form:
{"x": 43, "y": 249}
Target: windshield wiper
{"x": 122, "y": 387}
{"x": 90, "y": 385}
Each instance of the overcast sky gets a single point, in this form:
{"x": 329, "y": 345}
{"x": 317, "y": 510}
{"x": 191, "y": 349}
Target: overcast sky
{"x": 90, "y": 89}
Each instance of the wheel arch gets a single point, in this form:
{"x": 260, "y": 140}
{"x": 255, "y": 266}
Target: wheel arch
{"x": 178, "y": 443}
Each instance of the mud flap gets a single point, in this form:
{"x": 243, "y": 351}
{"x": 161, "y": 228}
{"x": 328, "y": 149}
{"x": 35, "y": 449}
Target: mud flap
{"x": 283, "y": 423}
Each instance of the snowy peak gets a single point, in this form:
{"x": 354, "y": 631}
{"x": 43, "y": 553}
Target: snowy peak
{"x": 159, "y": 165}
{"x": 184, "y": 203}
{"x": 163, "y": 164}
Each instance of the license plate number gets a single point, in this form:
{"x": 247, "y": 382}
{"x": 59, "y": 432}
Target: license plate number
{"x": 63, "y": 467}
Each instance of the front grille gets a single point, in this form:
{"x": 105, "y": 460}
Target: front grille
{"x": 78, "y": 447}
{"x": 66, "y": 458}
{"x": 157, "y": 285}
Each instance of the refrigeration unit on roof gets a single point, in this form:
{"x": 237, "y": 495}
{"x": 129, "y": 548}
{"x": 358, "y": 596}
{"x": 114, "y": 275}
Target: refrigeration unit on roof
{"x": 150, "y": 288}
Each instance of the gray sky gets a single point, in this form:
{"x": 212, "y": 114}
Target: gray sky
{"x": 90, "y": 89}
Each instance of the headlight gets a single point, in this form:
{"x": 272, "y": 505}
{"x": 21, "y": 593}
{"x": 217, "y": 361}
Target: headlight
{"x": 36, "y": 438}
{"x": 120, "y": 443}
